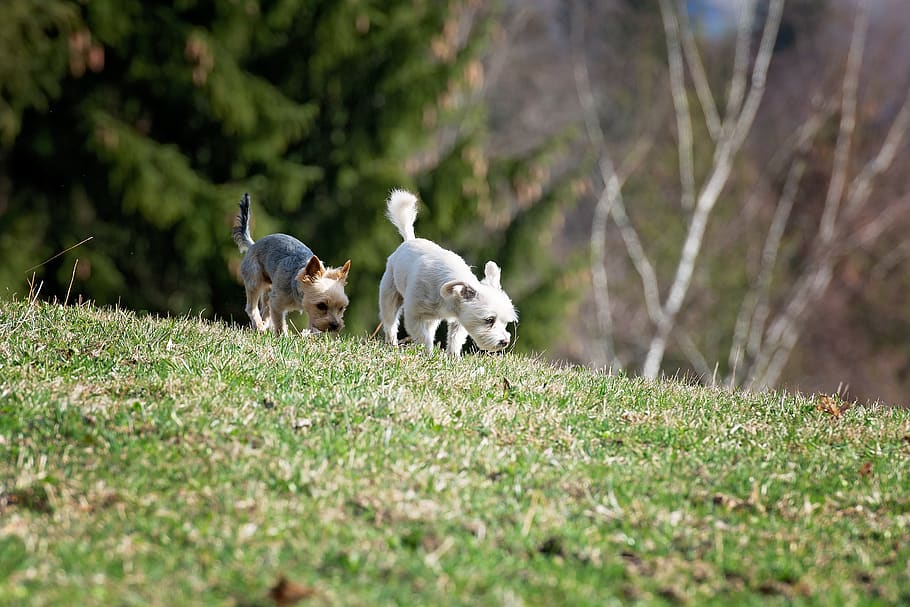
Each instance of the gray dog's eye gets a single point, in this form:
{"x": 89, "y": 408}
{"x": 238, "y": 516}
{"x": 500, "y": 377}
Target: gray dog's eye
{"x": 322, "y": 306}
{"x": 490, "y": 320}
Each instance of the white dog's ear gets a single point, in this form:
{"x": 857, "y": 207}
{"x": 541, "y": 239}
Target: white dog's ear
{"x": 492, "y": 275}
{"x": 458, "y": 288}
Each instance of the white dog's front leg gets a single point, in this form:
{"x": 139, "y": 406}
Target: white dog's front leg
{"x": 421, "y": 329}
{"x": 456, "y": 338}
{"x": 428, "y": 330}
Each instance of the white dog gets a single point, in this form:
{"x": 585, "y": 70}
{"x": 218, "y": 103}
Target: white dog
{"x": 433, "y": 284}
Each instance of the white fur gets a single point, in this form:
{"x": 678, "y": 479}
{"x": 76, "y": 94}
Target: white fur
{"x": 401, "y": 209}
{"x": 431, "y": 284}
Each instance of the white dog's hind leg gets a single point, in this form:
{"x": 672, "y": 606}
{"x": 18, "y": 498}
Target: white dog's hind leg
{"x": 389, "y": 309}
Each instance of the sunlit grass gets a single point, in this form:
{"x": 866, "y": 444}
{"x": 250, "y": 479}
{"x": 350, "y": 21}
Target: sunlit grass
{"x": 148, "y": 461}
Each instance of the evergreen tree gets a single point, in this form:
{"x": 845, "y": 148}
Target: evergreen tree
{"x": 142, "y": 123}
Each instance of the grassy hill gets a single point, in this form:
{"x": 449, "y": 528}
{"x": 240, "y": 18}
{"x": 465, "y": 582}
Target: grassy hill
{"x": 150, "y": 461}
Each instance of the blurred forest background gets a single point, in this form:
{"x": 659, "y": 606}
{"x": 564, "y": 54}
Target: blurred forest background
{"x": 715, "y": 189}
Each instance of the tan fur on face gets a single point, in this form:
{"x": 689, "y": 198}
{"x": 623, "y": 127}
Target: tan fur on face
{"x": 324, "y": 299}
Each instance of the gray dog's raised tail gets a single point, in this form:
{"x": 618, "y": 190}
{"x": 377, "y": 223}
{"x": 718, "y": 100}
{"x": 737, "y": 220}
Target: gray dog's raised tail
{"x": 241, "y": 229}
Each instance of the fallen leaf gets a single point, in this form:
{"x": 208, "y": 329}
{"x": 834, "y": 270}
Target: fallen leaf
{"x": 727, "y": 501}
{"x": 755, "y": 498}
{"x": 731, "y": 502}
{"x": 552, "y": 546}
{"x": 832, "y": 405}
{"x": 286, "y": 592}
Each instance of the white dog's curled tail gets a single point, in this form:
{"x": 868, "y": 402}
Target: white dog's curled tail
{"x": 401, "y": 209}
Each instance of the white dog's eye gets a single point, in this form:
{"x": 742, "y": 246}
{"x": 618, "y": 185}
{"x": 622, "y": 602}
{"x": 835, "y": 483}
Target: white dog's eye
{"x": 491, "y": 320}
{"x": 322, "y": 306}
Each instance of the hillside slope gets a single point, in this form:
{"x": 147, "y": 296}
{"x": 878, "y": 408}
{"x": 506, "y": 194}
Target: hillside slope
{"x": 149, "y": 461}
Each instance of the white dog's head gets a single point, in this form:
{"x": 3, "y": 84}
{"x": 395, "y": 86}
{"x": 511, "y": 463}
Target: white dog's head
{"x": 483, "y": 309}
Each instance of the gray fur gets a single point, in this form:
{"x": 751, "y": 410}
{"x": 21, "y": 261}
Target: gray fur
{"x": 281, "y": 274}
{"x": 241, "y": 230}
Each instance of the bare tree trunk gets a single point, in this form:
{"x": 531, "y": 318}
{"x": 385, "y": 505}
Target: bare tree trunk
{"x": 761, "y": 340}
{"x": 736, "y": 127}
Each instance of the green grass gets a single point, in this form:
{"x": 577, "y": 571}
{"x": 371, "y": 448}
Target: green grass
{"x": 150, "y": 461}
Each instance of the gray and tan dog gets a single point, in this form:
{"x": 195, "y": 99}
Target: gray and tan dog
{"x": 282, "y": 274}
{"x": 431, "y": 284}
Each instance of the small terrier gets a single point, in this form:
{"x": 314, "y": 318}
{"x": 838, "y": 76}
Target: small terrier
{"x": 432, "y": 284}
{"x": 281, "y": 274}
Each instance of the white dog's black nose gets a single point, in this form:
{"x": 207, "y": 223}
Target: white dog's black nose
{"x": 503, "y": 343}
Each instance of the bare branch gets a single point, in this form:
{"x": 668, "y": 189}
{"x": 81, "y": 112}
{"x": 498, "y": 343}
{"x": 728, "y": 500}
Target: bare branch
{"x": 861, "y": 188}
{"x": 609, "y": 203}
{"x": 759, "y": 73}
{"x": 727, "y": 148}
{"x": 873, "y": 229}
{"x": 640, "y": 260}
{"x": 847, "y": 125}
{"x": 699, "y": 78}
{"x": 693, "y": 354}
{"x": 899, "y": 255}
{"x": 755, "y": 309}
{"x": 740, "y": 65}
{"x": 635, "y": 157}
{"x": 611, "y": 193}
{"x": 816, "y": 285}
{"x": 784, "y": 332}
{"x": 680, "y": 104}
{"x": 600, "y": 283}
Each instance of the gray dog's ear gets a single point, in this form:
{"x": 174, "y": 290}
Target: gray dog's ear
{"x": 313, "y": 270}
{"x": 340, "y": 274}
{"x": 458, "y": 288}
{"x": 492, "y": 275}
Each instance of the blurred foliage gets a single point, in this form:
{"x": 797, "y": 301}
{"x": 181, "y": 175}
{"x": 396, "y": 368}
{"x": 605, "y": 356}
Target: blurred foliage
{"x": 141, "y": 124}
